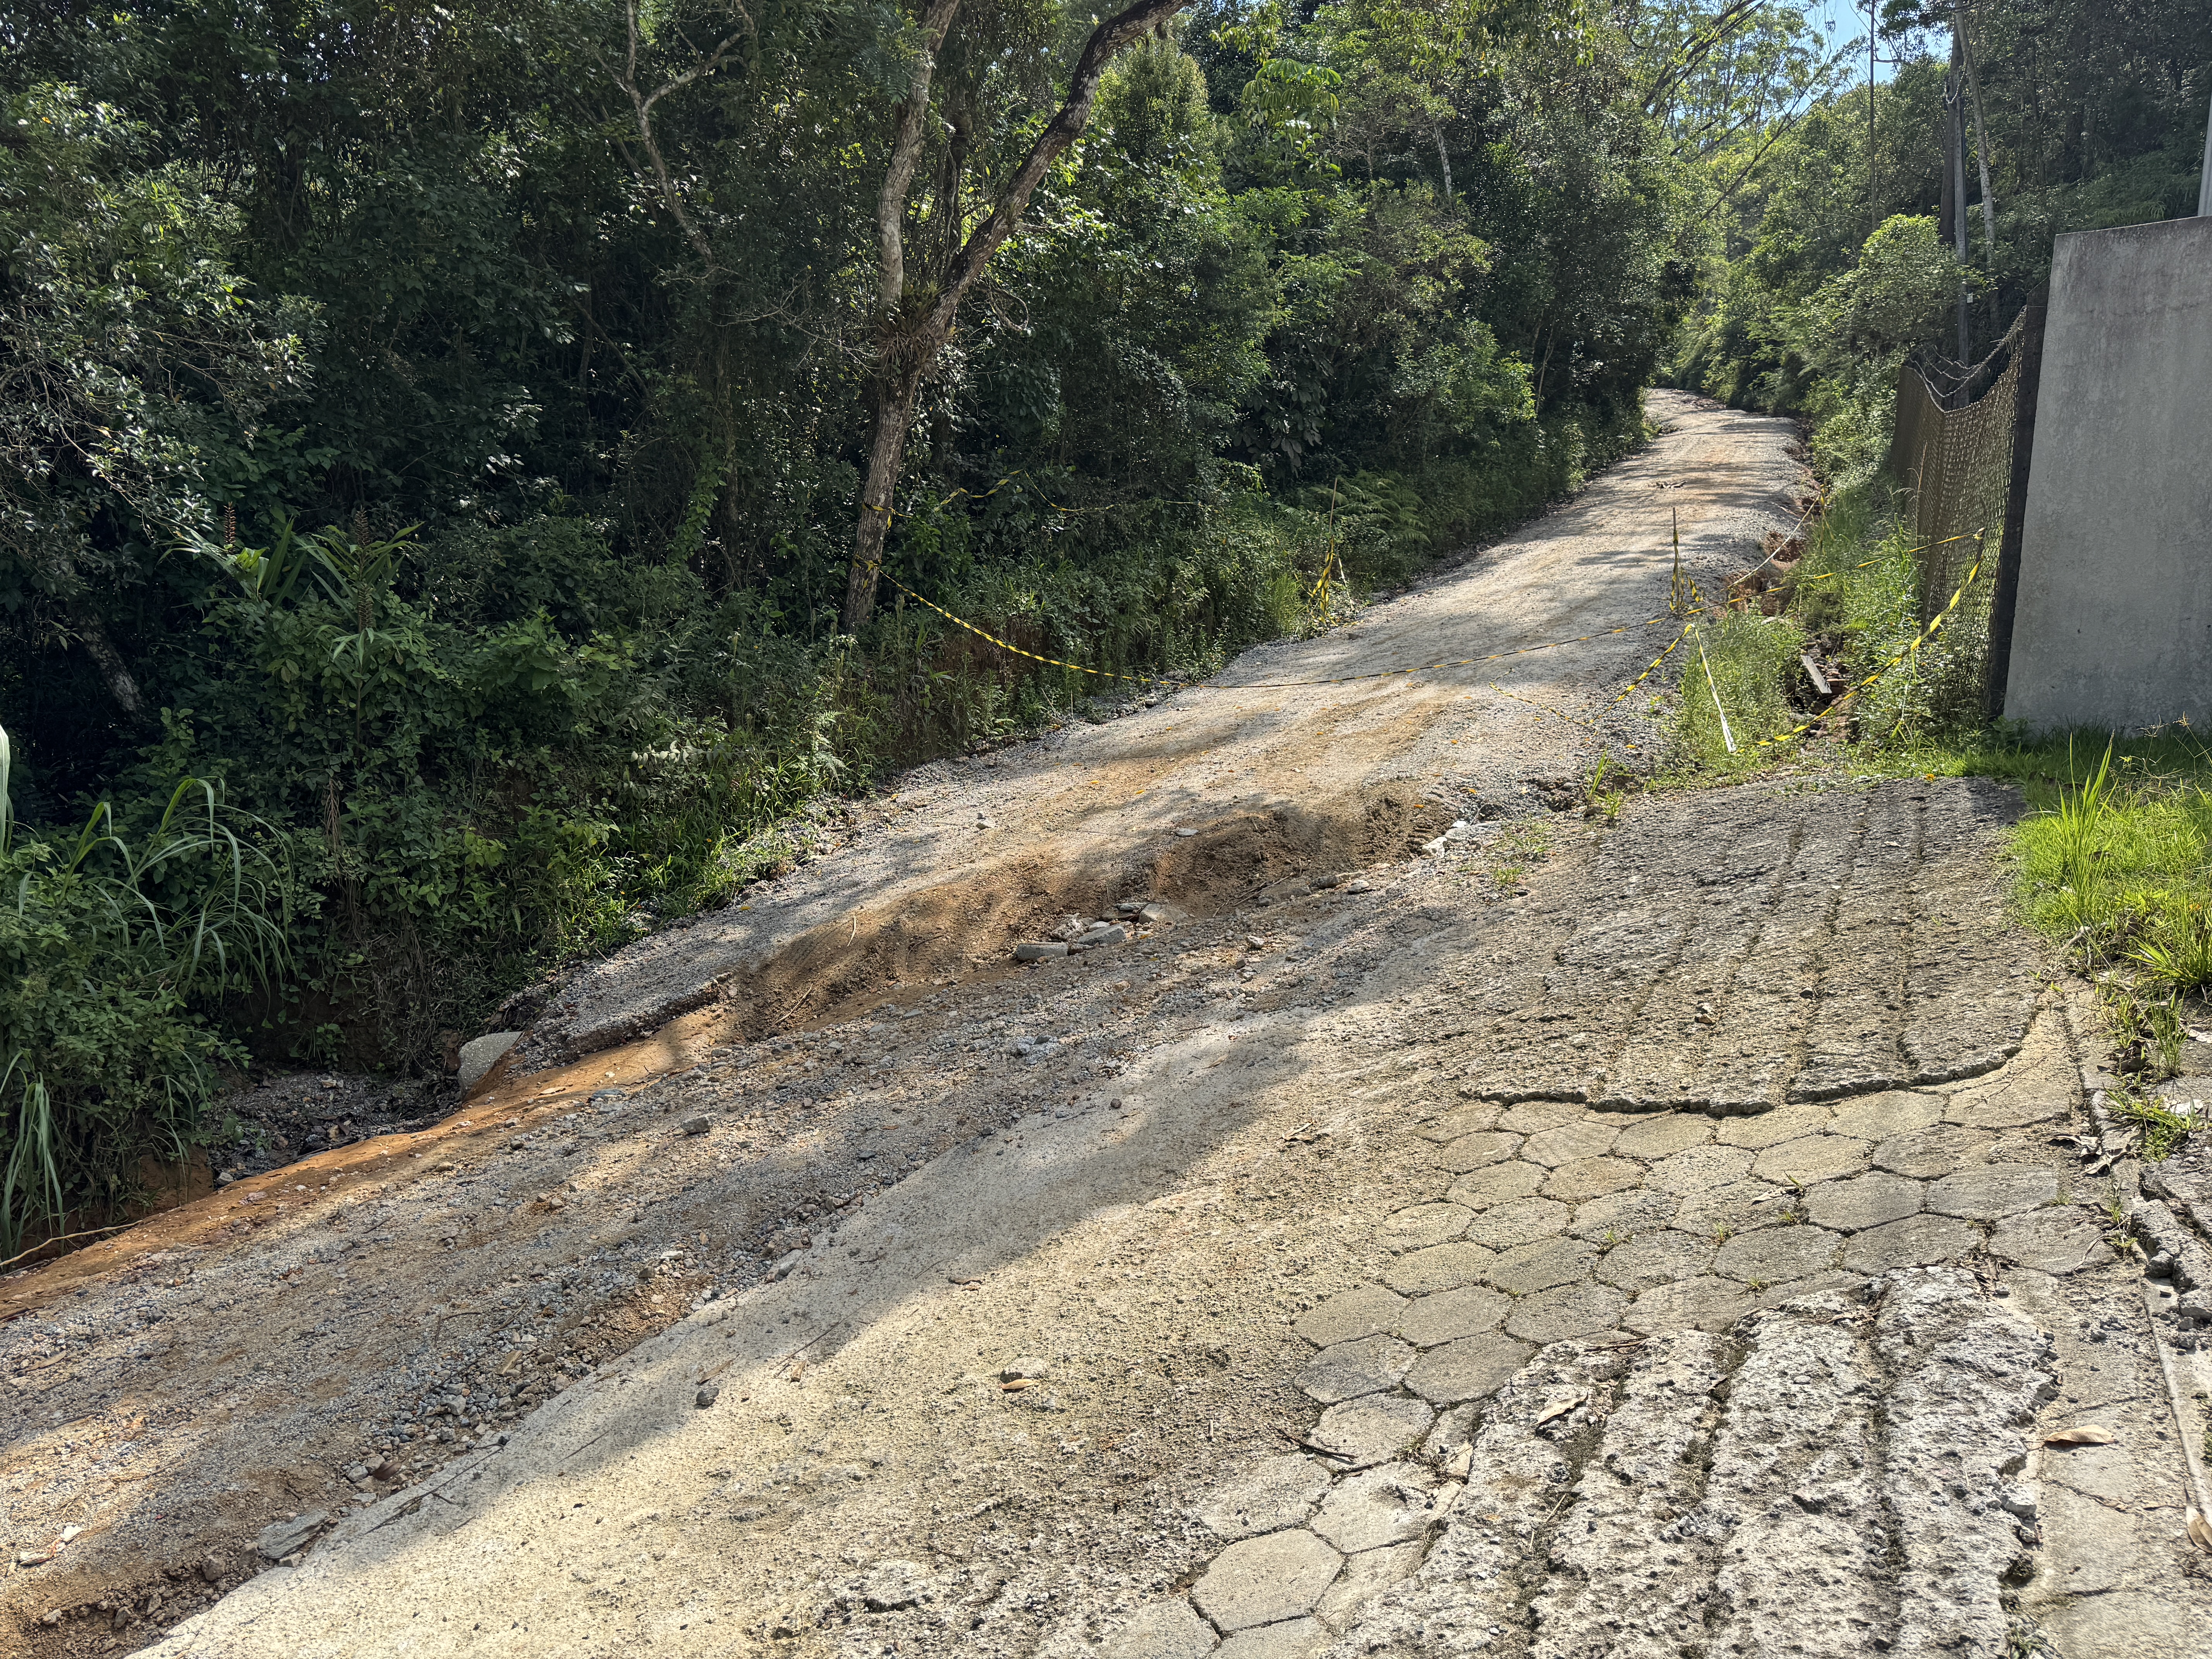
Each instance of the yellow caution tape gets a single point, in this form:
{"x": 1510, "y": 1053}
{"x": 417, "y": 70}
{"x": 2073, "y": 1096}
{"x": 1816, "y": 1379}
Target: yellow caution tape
{"x": 1919, "y": 639}
{"x": 986, "y": 494}
{"x": 1653, "y": 666}
{"x": 1281, "y": 685}
{"x": 1556, "y": 713}
{"x": 1908, "y": 553}
{"x": 1008, "y": 645}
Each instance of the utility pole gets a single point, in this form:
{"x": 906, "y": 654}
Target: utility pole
{"x": 1874, "y": 202}
{"x": 1955, "y": 179}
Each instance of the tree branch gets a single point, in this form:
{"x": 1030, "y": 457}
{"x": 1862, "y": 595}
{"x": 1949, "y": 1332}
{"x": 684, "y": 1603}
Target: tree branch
{"x": 642, "y": 104}
{"x": 1064, "y": 128}
{"x": 1752, "y": 165}
{"x": 1724, "y": 24}
{"x": 905, "y": 150}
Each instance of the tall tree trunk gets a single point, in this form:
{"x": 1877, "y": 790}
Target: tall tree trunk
{"x": 1955, "y": 166}
{"x": 916, "y": 324}
{"x": 893, "y": 416}
{"x": 92, "y": 631}
{"x": 1981, "y": 144}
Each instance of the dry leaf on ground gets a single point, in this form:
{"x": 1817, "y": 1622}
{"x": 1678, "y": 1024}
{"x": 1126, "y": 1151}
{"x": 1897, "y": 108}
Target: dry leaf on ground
{"x": 2081, "y": 1434}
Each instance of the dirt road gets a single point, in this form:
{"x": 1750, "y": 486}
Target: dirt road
{"x": 1576, "y": 1240}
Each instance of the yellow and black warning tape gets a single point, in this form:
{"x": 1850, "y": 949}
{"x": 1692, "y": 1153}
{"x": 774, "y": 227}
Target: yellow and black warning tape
{"x": 1652, "y": 667}
{"x": 1887, "y": 558}
{"x": 1284, "y": 685}
{"x": 1431, "y": 667}
{"x": 1008, "y": 645}
{"x": 1935, "y": 627}
{"x": 1545, "y": 708}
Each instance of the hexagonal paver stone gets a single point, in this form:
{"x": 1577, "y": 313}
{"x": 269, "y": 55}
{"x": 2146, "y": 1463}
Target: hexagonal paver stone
{"x": 1470, "y": 1369}
{"x": 1531, "y": 1117}
{"x": 1813, "y": 1157}
{"x": 1930, "y": 1153}
{"x": 1294, "y": 1638}
{"x": 1539, "y": 1266}
{"x": 1571, "y": 1310}
{"x": 1519, "y": 1221}
{"x": 1914, "y": 1242}
{"x": 1764, "y": 1129}
{"x": 1883, "y": 1117}
{"x": 1367, "y": 1364}
{"x": 1663, "y": 1136}
{"x": 1570, "y": 1143}
{"x": 1742, "y": 1207}
{"x": 2033, "y": 1145}
{"x": 1704, "y": 1304}
{"x": 1450, "y": 1315}
{"x": 2004, "y": 1102}
{"x": 1366, "y": 1575}
{"x": 1700, "y": 1170}
{"x": 1362, "y": 1432}
{"x": 1993, "y": 1191}
{"x": 1592, "y": 1177}
{"x": 1874, "y": 1200}
{"x": 1774, "y": 1255}
{"x": 1439, "y": 1267}
{"x": 2056, "y": 1239}
{"x": 1641, "y": 1209}
{"x": 1463, "y": 1120}
{"x": 1422, "y": 1225}
{"x": 1263, "y": 1581}
{"x": 1819, "y": 1283}
{"x": 1364, "y": 1310}
{"x": 1500, "y": 1183}
{"x": 1276, "y": 1492}
{"x": 1393, "y": 1504}
{"x": 1166, "y": 1630}
{"x": 1473, "y": 1152}
{"x": 1661, "y": 1258}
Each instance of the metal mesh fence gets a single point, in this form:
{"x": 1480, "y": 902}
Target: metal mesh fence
{"x": 1957, "y": 463}
{"x": 1952, "y": 447}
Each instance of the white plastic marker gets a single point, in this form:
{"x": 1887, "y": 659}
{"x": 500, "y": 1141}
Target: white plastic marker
{"x": 1726, "y": 736}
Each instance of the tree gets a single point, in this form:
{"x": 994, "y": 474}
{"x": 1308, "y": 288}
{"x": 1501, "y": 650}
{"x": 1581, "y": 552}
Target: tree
{"x": 918, "y": 306}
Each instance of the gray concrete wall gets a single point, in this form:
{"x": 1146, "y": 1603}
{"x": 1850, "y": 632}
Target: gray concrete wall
{"x": 2113, "y": 624}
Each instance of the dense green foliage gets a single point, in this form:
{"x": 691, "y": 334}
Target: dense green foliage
{"x": 104, "y": 944}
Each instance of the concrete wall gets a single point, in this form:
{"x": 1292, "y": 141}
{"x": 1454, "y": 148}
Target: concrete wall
{"x": 2112, "y": 627}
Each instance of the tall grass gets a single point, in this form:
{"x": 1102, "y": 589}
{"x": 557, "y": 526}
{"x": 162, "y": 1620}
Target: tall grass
{"x": 1734, "y": 693}
{"x": 115, "y": 943}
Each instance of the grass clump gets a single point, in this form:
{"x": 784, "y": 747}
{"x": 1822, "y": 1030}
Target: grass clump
{"x": 2163, "y": 1129}
{"x": 1735, "y": 696}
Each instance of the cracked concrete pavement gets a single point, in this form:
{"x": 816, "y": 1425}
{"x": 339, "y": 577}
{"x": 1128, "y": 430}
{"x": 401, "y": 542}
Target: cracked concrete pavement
{"x": 1589, "y": 1241}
